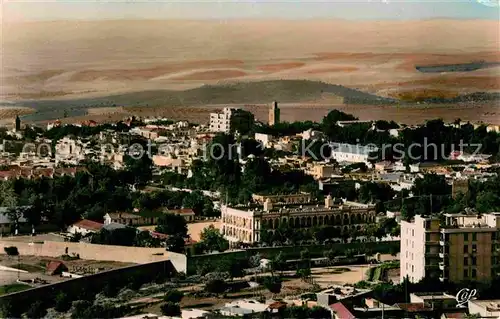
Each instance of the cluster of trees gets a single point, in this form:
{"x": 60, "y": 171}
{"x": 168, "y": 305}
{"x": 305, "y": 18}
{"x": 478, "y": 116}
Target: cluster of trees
{"x": 432, "y": 195}
{"x": 222, "y": 171}
{"x": 81, "y": 300}
{"x": 91, "y": 194}
{"x": 176, "y": 228}
{"x": 390, "y": 293}
{"x": 446, "y": 138}
{"x": 171, "y": 307}
{"x": 211, "y": 240}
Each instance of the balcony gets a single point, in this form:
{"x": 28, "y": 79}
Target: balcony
{"x": 441, "y": 266}
{"x": 442, "y": 243}
{"x": 442, "y": 255}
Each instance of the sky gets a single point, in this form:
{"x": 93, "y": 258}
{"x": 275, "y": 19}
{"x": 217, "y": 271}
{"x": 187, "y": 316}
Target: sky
{"x": 35, "y": 10}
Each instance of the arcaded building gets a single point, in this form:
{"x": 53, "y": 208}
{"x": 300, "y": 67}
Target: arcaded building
{"x": 244, "y": 224}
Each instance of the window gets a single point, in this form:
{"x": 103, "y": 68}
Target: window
{"x": 474, "y": 274}
{"x": 466, "y": 249}
{"x": 466, "y": 273}
{"x": 466, "y": 237}
{"x": 466, "y": 261}
{"x": 474, "y": 248}
{"x": 474, "y": 260}
{"x": 427, "y": 237}
{"x": 474, "y": 236}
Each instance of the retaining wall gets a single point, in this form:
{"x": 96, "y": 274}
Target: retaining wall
{"x": 138, "y": 255}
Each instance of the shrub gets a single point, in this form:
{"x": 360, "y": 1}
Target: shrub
{"x": 37, "y": 310}
{"x": 62, "y": 302}
{"x": 173, "y": 295}
{"x": 215, "y": 286}
{"x": 273, "y": 284}
{"x": 111, "y": 289}
{"x": 171, "y": 309}
{"x": 11, "y": 251}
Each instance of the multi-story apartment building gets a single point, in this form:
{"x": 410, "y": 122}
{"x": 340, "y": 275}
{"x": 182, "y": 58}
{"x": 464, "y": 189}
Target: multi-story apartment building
{"x": 463, "y": 247}
{"x": 243, "y": 224}
{"x": 221, "y": 122}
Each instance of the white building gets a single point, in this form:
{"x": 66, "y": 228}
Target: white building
{"x": 84, "y": 227}
{"x": 485, "y": 308}
{"x": 221, "y": 122}
{"x": 244, "y": 307}
{"x": 351, "y": 153}
{"x": 69, "y": 151}
{"x": 244, "y": 224}
{"x": 311, "y": 134}
{"x": 265, "y": 139}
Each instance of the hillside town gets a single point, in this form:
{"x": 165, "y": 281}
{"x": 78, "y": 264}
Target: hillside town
{"x": 157, "y": 218}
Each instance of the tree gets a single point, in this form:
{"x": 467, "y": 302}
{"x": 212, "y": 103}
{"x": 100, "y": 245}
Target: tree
{"x": 233, "y": 267}
{"x": 10, "y": 310}
{"x": 242, "y": 121}
{"x": 304, "y": 254}
{"x": 171, "y": 309}
{"x": 304, "y": 272}
{"x": 173, "y": 296}
{"x": 213, "y": 240}
{"x": 139, "y": 167}
{"x": 273, "y": 284}
{"x": 278, "y": 262}
{"x": 175, "y": 243}
{"x": 172, "y": 224}
{"x": 215, "y": 286}
{"x": 62, "y": 302}
{"x": 36, "y": 310}
{"x": 330, "y": 255}
{"x": 318, "y": 312}
{"x": 11, "y": 251}
{"x": 81, "y": 309}
{"x": 121, "y": 236}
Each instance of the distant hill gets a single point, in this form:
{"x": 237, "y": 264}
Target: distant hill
{"x": 244, "y": 92}
{"x": 237, "y": 93}
{"x": 287, "y": 91}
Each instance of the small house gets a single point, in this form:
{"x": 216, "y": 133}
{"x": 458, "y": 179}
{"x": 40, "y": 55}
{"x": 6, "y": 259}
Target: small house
{"x": 55, "y": 267}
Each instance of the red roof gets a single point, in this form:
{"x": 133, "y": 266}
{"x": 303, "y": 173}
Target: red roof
{"x": 341, "y": 311}
{"x": 54, "y": 265}
{"x": 88, "y": 224}
{"x": 182, "y": 211}
{"x": 188, "y": 241}
{"x": 413, "y": 307}
{"x": 158, "y": 235}
{"x": 455, "y": 315}
{"x": 277, "y": 305}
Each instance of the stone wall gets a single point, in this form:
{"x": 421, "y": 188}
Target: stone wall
{"x": 139, "y": 255}
{"x": 92, "y": 283}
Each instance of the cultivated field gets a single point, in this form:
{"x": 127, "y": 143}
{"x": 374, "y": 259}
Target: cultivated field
{"x": 64, "y": 61}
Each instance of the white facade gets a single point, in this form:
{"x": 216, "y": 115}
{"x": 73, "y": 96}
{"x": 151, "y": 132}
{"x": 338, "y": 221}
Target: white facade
{"x": 351, "y": 153}
{"x": 485, "y": 308}
{"x": 265, "y": 139}
{"x": 412, "y": 255}
{"x": 240, "y": 225}
{"x": 240, "y": 308}
{"x": 311, "y": 134}
{"x": 69, "y": 151}
{"x": 221, "y": 122}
